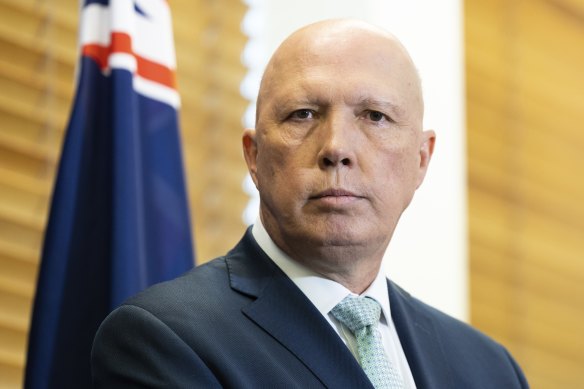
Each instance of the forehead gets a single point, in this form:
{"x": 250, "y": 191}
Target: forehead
{"x": 343, "y": 52}
{"x": 349, "y": 66}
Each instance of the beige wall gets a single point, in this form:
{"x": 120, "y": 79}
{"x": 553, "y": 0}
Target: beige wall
{"x": 525, "y": 110}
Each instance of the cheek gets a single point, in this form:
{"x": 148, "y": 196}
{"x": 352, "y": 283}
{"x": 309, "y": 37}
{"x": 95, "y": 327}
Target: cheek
{"x": 272, "y": 167}
{"x": 397, "y": 172}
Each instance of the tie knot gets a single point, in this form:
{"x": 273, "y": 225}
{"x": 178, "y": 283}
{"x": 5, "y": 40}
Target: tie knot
{"x": 357, "y": 312}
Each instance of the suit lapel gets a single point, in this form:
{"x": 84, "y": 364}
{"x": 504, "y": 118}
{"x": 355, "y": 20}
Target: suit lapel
{"x": 419, "y": 340}
{"x": 283, "y": 311}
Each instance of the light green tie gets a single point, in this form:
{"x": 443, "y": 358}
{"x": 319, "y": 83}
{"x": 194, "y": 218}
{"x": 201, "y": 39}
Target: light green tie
{"x": 361, "y": 316}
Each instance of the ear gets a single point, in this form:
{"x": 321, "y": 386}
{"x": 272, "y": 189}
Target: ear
{"x": 426, "y": 151}
{"x": 250, "y": 152}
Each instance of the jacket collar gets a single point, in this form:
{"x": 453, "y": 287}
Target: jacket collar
{"x": 420, "y": 340}
{"x": 299, "y": 327}
{"x": 296, "y": 324}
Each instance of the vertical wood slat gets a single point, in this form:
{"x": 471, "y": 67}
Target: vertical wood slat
{"x": 526, "y": 216}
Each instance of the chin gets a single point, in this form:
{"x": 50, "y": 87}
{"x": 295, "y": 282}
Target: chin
{"x": 334, "y": 236}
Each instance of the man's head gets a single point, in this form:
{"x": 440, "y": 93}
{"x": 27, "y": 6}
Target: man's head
{"x": 338, "y": 150}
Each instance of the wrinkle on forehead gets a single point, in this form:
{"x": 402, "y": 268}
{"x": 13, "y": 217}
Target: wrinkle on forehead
{"x": 331, "y": 40}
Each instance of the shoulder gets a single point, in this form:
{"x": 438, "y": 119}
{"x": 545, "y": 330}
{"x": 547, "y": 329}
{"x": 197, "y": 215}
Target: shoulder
{"x": 452, "y": 332}
{"x": 192, "y": 304}
{"x": 196, "y": 290}
{"x": 416, "y": 309}
{"x": 147, "y": 339}
{"x": 466, "y": 351}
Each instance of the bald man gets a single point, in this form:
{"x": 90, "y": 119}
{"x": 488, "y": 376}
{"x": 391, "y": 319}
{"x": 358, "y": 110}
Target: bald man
{"x": 337, "y": 154}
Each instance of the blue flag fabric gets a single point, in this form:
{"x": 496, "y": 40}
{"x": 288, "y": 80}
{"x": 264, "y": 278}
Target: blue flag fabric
{"x": 119, "y": 218}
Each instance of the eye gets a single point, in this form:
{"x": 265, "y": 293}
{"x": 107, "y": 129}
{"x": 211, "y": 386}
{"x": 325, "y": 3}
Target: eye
{"x": 376, "y": 116}
{"x": 302, "y": 114}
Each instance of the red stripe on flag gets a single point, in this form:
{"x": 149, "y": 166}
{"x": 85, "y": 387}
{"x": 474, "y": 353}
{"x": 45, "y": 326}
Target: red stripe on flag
{"x": 122, "y": 43}
{"x": 98, "y": 53}
{"x": 156, "y": 72}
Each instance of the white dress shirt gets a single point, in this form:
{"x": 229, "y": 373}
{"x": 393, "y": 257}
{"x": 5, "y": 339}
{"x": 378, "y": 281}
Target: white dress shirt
{"x": 325, "y": 294}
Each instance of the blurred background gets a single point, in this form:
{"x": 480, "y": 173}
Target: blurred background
{"x": 502, "y": 213}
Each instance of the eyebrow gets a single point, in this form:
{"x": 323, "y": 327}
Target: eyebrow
{"x": 381, "y": 104}
{"x": 362, "y": 102}
{"x": 287, "y": 103}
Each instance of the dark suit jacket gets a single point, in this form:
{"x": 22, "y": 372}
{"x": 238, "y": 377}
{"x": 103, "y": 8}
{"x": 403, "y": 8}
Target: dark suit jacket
{"x": 240, "y": 322}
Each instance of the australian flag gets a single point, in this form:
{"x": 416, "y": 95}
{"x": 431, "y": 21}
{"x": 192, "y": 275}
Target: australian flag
{"x": 119, "y": 218}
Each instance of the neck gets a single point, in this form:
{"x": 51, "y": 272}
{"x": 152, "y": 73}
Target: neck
{"x": 353, "y": 262}
{"x": 356, "y": 281}
{"x": 354, "y": 267}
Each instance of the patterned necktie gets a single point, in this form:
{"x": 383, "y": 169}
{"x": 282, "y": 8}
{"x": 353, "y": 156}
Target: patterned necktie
{"x": 361, "y": 316}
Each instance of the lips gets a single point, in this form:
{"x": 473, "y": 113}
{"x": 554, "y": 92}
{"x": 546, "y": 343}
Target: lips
{"x": 336, "y": 199}
{"x": 334, "y": 193}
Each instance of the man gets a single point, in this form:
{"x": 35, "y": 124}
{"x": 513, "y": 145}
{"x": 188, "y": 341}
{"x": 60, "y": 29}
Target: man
{"x": 337, "y": 154}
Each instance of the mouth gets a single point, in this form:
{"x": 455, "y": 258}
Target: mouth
{"x": 335, "y": 196}
{"x": 334, "y": 193}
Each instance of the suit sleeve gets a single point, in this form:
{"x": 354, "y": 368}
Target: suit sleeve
{"x": 520, "y": 376}
{"x": 134, "y": 349}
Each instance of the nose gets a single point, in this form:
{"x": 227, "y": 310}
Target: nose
{"x": 333, "y": 160}
{"x": 337, "y": 144}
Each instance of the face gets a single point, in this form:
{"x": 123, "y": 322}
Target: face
{"x": 338, "y": 150}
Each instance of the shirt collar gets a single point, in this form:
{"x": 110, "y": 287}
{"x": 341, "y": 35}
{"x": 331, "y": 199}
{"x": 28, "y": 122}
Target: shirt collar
{"x": 322, "y": 292}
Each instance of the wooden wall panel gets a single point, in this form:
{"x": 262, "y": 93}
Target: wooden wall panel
{"x": 38, "y": 42}
{"x": 525, "y": 115}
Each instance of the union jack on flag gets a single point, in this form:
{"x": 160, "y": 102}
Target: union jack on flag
{"x": 135, "y": 36}
{"x": 119, "y": 218}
